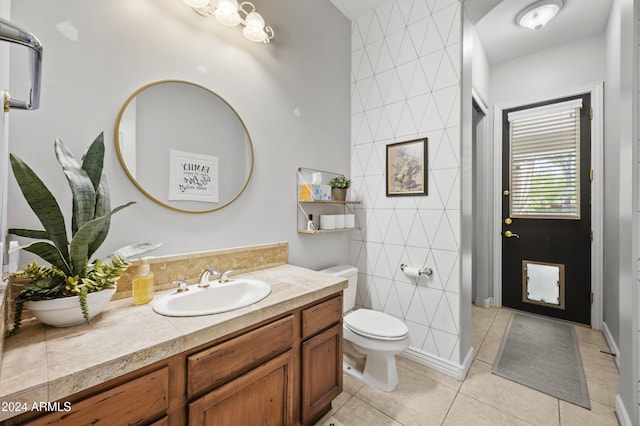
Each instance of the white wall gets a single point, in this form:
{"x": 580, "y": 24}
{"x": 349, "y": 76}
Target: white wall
{"x": 626, "y": 162}
{"x": 406, "y": 85}
{"x": 612, "y": 176}
{"x": 481, "y": 72}
{"x": 565, "y": 66}
{"x": 293, "y": 96}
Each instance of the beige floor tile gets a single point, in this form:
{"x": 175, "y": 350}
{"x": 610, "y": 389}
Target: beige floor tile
{"x": 476, "y": 340}
{"x": 481, "y": 318}
{"x": 489, "y": 349}
{"x": 602, "y": 387}
{"x": 500, "y": 324}
{"x": 336, "y": 404}
{"x": 418, "y": 400}
{"x": 350, "y": 384}
{"x": 600, "y": 414}
{"x": 504, "y": 315}
{"x": 591, "y": 336}
{"x": 427, "y": 397}
{"x": 594, "y": 359}
{"x": 601, "y": 373}
{"x": 357, "y": 413}
{"x": 512, "y": 398}
{"x": 467, "y": 411}
{"x": 414, "y": 368}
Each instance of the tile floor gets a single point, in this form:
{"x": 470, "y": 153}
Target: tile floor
{"x": 426, "y": 397}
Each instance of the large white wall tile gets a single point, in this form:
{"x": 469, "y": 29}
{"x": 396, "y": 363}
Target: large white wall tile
{"x": 419, "y": 11}
{"x": 406, "y": 81}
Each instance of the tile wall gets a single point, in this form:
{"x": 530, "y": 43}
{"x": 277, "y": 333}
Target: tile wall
{"x": 406, "y": 85}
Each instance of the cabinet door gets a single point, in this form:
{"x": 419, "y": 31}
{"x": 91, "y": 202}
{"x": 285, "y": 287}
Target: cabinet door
{"x": 321, "y": 372}
{"x": 136, "y": 402}
{"x": 263, "y": 396}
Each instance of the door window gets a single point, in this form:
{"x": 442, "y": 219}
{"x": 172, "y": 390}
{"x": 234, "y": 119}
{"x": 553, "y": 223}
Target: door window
{"x": 545, "y": 161}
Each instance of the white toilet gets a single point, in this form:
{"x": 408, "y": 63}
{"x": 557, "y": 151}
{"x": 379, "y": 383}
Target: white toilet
{"x": 371, "y": 338}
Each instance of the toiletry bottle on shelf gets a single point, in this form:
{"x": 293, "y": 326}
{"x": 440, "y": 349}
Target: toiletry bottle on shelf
{"x": 310, "y": 225}
{"x": 143, "y": 283}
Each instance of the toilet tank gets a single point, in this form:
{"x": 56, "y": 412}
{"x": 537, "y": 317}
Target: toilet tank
{"x": 349, "y": 294}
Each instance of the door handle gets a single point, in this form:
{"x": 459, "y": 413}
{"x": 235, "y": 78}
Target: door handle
{"x": 510, "y": 234}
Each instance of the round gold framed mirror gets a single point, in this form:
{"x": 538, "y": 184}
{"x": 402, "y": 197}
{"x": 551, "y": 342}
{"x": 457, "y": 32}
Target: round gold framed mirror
{"x": 183, "y": 146}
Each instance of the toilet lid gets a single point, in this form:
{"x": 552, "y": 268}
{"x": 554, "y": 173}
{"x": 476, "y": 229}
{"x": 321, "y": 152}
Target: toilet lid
{"x": 377, "y": 325}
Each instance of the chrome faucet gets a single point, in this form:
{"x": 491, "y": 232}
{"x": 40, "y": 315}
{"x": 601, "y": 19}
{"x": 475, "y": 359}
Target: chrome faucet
{"x": 203, "y": 282}
{"x": 225, "y": 276}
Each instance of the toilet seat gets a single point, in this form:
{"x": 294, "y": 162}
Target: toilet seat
{"x": 376, "y": 325}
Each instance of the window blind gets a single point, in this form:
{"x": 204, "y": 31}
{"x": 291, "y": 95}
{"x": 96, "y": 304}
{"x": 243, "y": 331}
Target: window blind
{"x": 545, "y": 161}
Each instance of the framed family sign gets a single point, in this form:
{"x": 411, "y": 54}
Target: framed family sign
{"x": 193, "y": 177}
{"x": 407, "y": 168}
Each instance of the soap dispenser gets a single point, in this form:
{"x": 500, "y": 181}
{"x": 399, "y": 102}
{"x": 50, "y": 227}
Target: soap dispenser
{"x": 143, "y": 283}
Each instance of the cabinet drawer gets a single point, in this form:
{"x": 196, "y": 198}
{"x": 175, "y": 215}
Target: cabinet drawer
{"x": 221, "y": 363}
{"x": 136, "y": 402}
{"x": 321, "y": 316}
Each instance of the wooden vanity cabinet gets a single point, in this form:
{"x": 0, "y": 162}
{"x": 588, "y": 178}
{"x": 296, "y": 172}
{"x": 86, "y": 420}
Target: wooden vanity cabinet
{"x": 283, "y": 371}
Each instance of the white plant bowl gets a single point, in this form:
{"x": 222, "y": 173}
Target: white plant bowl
{"x": 66, "y": 311}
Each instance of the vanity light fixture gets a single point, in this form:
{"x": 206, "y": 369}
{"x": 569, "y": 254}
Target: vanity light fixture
{"x": 229, "y": 13}
{"x": 538, "y": 14}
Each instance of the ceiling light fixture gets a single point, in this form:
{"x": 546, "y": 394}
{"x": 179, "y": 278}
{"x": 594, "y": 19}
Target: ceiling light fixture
{"x": 538, "y": 14}
{"x": 228, "y": 12}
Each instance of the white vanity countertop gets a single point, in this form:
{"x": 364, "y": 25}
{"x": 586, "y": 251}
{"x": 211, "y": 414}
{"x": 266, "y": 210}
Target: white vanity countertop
{"x": 41, "y": 363}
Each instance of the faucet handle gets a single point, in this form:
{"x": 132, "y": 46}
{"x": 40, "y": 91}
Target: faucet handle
{"x": 182, "y": 285}
{"x": 225, "y": 276}
{"x": 203, "y": 281}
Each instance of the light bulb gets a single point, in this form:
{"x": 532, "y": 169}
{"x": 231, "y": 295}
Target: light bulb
{"x": 256, "y": 34}
{"x": 227, "y": 12}
{"x": 197, "y": 4}
{"x": 254, "y": 19}
{"x": 254, "y": 29}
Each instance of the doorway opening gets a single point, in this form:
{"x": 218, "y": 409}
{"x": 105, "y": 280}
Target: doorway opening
{"x": 481, "y": 288}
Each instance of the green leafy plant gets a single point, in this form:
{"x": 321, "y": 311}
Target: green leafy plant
{"x": 340, "y": 182}
{"x": 71, "y": 273}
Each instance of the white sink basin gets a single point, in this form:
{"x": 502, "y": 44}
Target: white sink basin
{"x": 218, "y": 297}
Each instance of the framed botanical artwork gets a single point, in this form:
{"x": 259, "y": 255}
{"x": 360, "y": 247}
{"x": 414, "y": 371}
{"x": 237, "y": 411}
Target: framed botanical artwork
{"x": 407, "y": 168}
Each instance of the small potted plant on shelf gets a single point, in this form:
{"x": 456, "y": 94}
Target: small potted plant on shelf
{"x": 339, "y": 186}
{"x": 72, "y": 289}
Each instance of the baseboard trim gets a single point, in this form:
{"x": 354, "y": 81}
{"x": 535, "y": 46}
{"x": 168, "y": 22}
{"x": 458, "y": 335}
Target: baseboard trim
{"x": 608, "y": 337}
{"x": 621, "y": 412}
{"x": 444, "y": 366}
